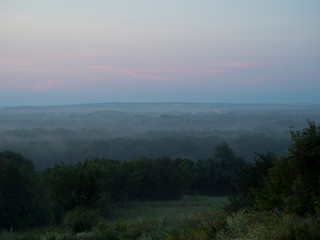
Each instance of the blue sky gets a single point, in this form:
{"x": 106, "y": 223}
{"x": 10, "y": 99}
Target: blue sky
{"x": 248, "y": 51}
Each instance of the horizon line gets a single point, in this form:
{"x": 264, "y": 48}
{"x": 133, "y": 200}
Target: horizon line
{"x": 159, "y": 102}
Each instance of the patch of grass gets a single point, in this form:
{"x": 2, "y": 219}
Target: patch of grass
{"x": 191, "y": 218}
{"x": 155, "y": 219}
{"x": 170, "y": 210}
{"x": 211, "y": 223}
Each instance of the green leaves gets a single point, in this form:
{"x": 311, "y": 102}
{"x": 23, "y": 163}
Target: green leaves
{"x": 17, "y": 160}
{"x": 77, "y": 185}
{"x": 293, "y": 183}
{"x": 23, "y": 200}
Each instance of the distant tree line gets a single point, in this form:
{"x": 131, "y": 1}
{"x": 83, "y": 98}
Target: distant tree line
{"x": 48, "y": 147}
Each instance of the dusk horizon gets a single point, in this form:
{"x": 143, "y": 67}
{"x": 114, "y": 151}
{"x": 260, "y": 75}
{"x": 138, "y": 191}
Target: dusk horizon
{"x": 175, "y": 104}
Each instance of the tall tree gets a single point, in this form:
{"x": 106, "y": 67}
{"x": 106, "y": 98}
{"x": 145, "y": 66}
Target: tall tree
{"x": 293, "y": 183}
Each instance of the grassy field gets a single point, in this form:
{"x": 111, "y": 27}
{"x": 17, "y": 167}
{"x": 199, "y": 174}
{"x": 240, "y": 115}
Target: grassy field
{"x": 169, "y": 210}
{"x": 191, "y": 218}
{"x": 134, "y": 220}
{"x": 156, "y": 219}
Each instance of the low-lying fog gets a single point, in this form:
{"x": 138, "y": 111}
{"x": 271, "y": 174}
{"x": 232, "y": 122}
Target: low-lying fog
{"x": 126, "y": 131}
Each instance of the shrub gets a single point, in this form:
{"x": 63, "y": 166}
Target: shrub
{"x": 202, "y": 226}
{"x": 23, "y": 199}
{"x": 75, "y": 185}
{"x": 50, "y": 236}
{"x": 132, "y": 234}
{"x": 88, "y": 236}
{"x": 70, "y": 237}
{"x": 121, "y": 226}
{"x": 109, "y": 235}
{"x": 293, "y": 183}
{"x": 293, "y": 227}
{"x": 81, "y": 219}
{"x": 5, "y": 235}
{"x": 276, "y": 225}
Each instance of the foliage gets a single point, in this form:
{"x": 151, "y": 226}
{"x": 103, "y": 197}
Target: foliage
{"x": 47, "y": 147}
{"x": 142, "y": 176}
{"x": 146, "y": 179}
{"x": 293, "y": 183}
{"x": 167, "y": 179}
{"x": 74, "y": 186}
{"x": 116, "y": 178}
{"x": 81, "y": 219}
{"x": 272, "y": 195}
{"x": 250, "y": 180}
{"x": 17, "y": 160}
{"x": 253, "y": 174}
{"x": 216, "y": 176}
{"x": 23, "y": 200}
{"x": 201, "y": 220}
{"x": 155, "y": 218}
{"x": 97, "y": 182}
{"x": 51, "y": 236}
{"x": 109, "y": 235}
{"x": 304, "y": 155}
{"x": 293, "y": 227}
{"x": 248, "y": 225}
{"x": 204, "y": 225}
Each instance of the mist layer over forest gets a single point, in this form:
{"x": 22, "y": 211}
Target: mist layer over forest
{"x": 126, "y": 131}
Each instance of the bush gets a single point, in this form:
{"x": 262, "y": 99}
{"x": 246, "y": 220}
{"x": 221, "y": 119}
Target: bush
{"x": 202, "y": 226}
{"x": 5, "y": 235}
{"x": 293, "y": 183}
{"x": 132, "y": 234}
{"x": 109, "y": 235}
{"x": 52, "y": 235}
{"x": 94, "y": 235}
{"x": 23, "y": 199}
{"x": 77, "y": 185}
{"x": 294, "y": 227}
{"x": 81, "y": 219}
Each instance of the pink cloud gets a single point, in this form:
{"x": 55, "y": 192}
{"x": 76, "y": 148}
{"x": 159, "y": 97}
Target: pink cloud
{"x": 182, "y": 70}
{"x": 160, "y": 70}
{"x": 151, "y": 73}
{"x": 141, "y": 75}
{"x": 133, "y": 72}
{"x": 49, "y": 85}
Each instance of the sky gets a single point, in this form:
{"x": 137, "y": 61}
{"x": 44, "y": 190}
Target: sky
{"x": 55, "y": 52}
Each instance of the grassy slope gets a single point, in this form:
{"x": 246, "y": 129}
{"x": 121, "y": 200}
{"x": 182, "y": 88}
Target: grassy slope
{"x": 191, "y": 218}
{"x": 156, "y": 219}
{"x": 170, "y": 210}
{"x": 151, "y": 219}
